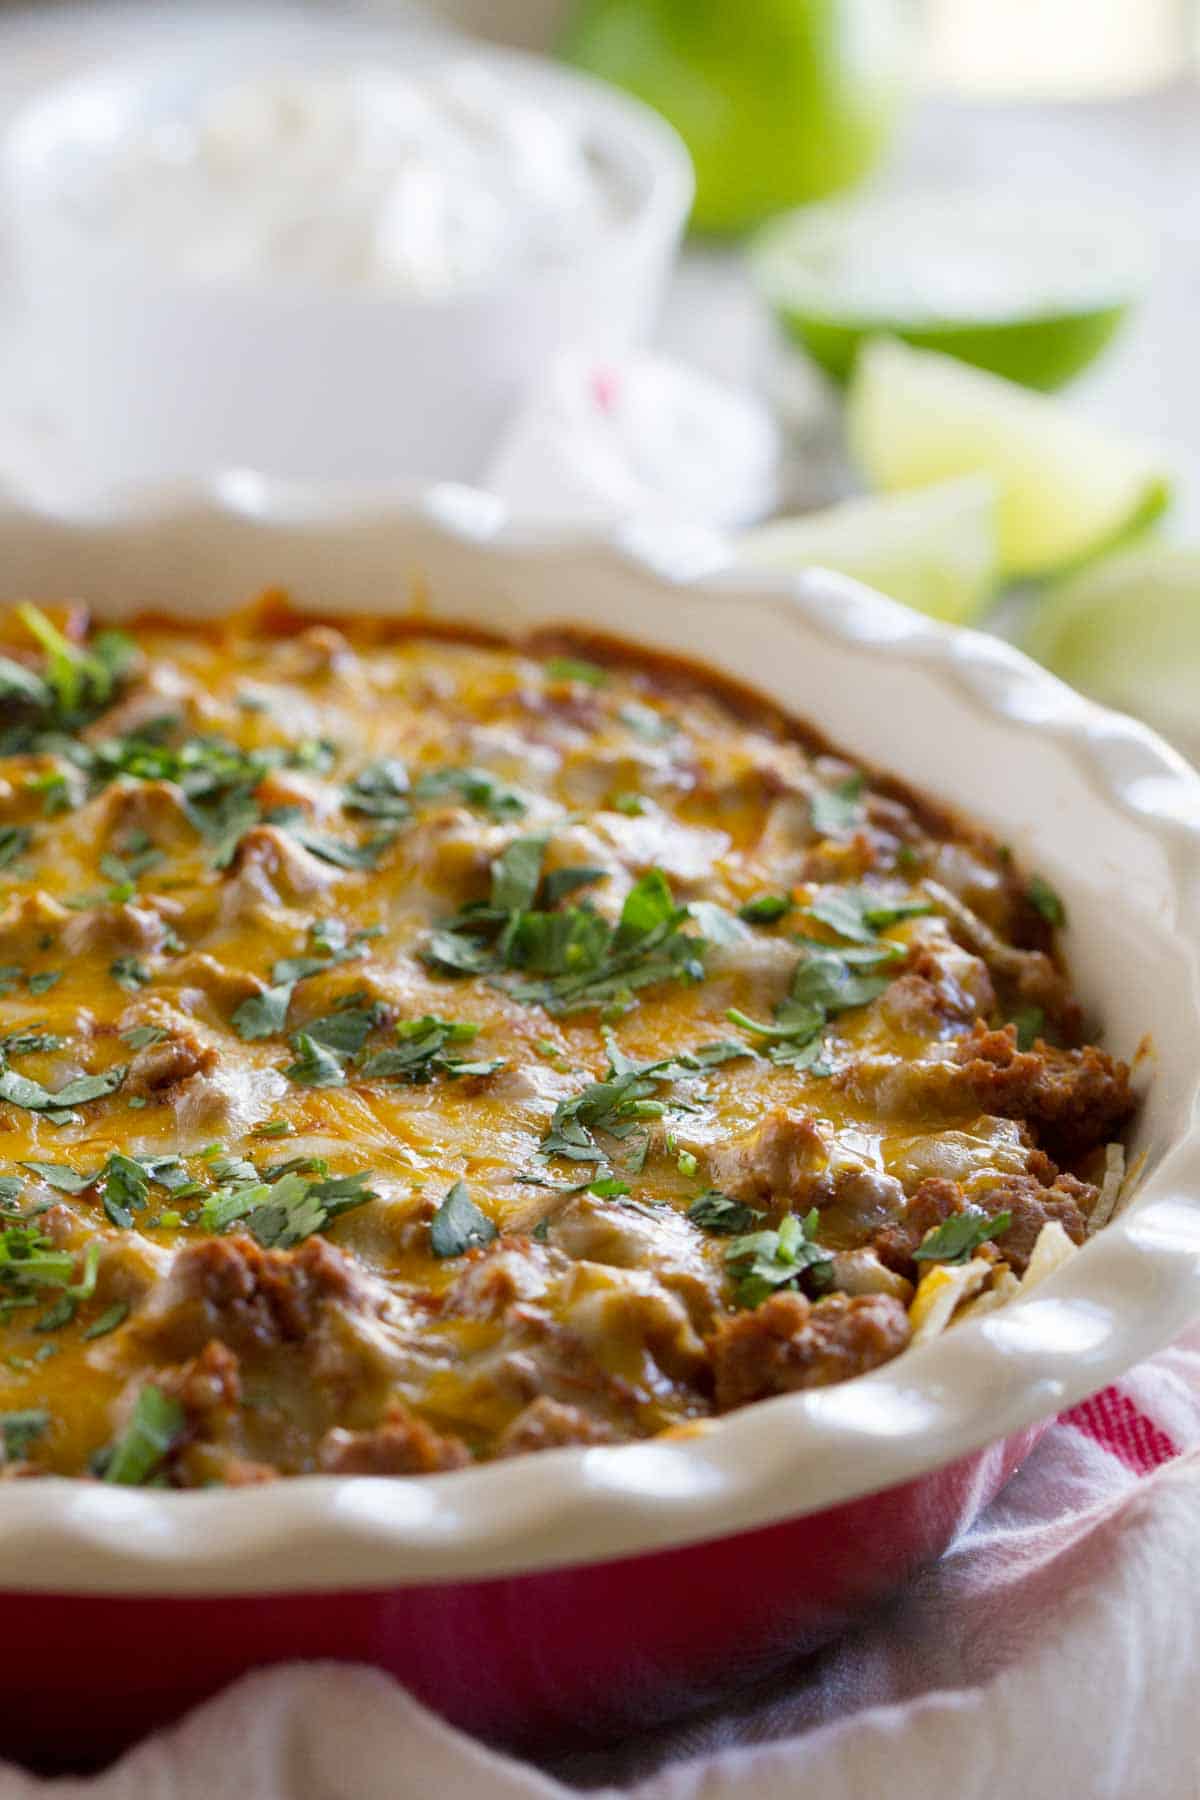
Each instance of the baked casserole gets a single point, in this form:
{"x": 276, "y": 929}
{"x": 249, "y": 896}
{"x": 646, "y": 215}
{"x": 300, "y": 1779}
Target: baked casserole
{"x": 420, "y": 1049}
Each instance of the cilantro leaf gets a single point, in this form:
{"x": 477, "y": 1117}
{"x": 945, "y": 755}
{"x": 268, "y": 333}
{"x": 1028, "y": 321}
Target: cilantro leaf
{"x": 838, "y": 810}
{"x": 380, "y": 791}
{"x": 957, "y": 1238}
{"x": 129, "y": 973}
{"x": 716, "y": 1212}
{"x": 156, "y": 1426}
{"x": 1046, "y": 900}
{"x": 765, "y": 909}
{"x": 346, "y": 1029}
{"x": 652, "y": 727}
{"x": 108, "y": 1321}
{"x": 765, "y": 1261}
{"x": 315, "y": 1066}
{"x": 517, "y": 874}
{"x": 14, "y": 841}
{"x": 573, "y": 668}
{"x": 1030, "y": 1022}
{"x": 341, "y": 854}
{"x": 22, "y": 1429}
{"x": 458, "y": 1225}
{"x": 860, "y": 913}
{"x": 419, "y": 1053}
{"x": 474, "y": 787}
{"x": 264, "y": 1015}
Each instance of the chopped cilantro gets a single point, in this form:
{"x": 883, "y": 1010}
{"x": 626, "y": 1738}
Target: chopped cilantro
{"x": 716, "y": 1212}
{"x": 347, "y": 1028}
{"x": 652, "y": 727}
{"x": 341, "y": 853}
{"x": 765, "y": 909}
{"x": 140, "y": 1037}
{"x": 420, "y": 1052}
{"x": 517, "y": 874}
{"x": 264, "y": 1015}
{"x": 380, "y": 791}
{"x": 156, "y": 1426}
{"x": 579, "y": 958}
{"x": 619, "y": 1106}
{"x": 58, "y": 1175}
{"x": 14, "y": 841}
{"x": 838, "y": 809}
{"x": 22, "y": 1429}
{"x": 43, "y": 980}
{"x": 957, "y": 1238}
{"x": 632, "y": 805}
{"x": 474, "y": 787}
{"x": 572, "y": 668}
{"x": 765, "y": 1261}
{"x": 19, "y": 1090}
{"x": 315, "y": 1066}
{"x": 458, "y": 1225}
{"x": 860, "y": 913}
{"x": 558, "y": 883}
{"x": 129, "y": 973}
{"x": 1030, "y": 1022}
{"x": 108, "y": 1321}
{"x": 1046, "y": 900}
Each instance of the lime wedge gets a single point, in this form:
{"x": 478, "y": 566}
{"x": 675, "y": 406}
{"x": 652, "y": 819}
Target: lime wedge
{"x": 1030, "y": 290}
{"x": 1127, "y": 632}
{"x": 1068, "y": 488}
{"x": 934, "y": 549}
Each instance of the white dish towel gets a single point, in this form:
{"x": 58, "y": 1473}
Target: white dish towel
{"x": 1051, "y": 1655}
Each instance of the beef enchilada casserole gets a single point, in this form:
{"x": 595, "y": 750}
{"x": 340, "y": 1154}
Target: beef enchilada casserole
{"x": 417, "y": 1050}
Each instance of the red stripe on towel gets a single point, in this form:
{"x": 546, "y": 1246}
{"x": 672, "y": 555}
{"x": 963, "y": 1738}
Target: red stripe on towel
{"x": 1114, "y": 1422}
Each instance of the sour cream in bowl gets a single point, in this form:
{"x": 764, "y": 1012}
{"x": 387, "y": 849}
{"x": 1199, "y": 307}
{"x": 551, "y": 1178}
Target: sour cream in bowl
{"x": 327, "y": 264}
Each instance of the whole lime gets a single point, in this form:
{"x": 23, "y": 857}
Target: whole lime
{"x": 779, "y": 101}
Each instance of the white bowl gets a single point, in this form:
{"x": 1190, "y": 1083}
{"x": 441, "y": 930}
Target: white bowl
{"x": 1102, "y": 806}
{"x": 156, "y": 373}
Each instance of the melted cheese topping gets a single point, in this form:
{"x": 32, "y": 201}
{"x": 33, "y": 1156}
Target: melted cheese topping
{"x": 237, "y": 889}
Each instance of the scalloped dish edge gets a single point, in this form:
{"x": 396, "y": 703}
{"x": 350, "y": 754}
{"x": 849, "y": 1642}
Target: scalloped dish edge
{"x": 1128, "y": 1292}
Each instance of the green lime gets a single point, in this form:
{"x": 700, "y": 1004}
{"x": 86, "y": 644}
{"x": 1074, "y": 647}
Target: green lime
{"x": 1068, "y": 488}
{"x": 934, "y": 549}
{"x": 1127, "y": 632}
{"x": 1030, "y": 290}
{"x": 778, "y": 101}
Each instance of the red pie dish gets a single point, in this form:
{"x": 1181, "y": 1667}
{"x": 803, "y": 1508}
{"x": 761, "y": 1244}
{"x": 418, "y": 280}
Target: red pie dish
{"x": 666, "y": 1215}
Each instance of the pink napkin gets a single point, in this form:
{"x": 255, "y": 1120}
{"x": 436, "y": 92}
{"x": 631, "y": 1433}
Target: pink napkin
{"x": 1050, "y": 1655}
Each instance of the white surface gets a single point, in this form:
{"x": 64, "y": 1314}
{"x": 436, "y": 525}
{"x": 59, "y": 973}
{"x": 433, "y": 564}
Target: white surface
{"x": 1100, "y": 806}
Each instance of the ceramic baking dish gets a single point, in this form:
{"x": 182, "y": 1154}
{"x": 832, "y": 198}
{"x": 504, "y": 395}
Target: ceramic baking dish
{"x": 592, "y": 1588}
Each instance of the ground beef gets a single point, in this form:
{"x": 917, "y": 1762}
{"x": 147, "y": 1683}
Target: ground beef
{"x": 932, "y": 1204}
{"x": 207, "y": 1386}
{"x": 1075, "y": 1099}
{"x": 225, "y": 987}
{"x": 1033, "y": 1198}
{"x": 402, "y": 1445}
{"x": 160, "y": 1067}
{"x": 1032, "y": 1206}
{"x": 126, "y": 928}
{"x": 1071, "y": 1099}
{"x": 229, "y": 1288}
{"x": 789, "y": 1342}
{"x": 778, "y": 1160}
{"x": 547, "y": 1424}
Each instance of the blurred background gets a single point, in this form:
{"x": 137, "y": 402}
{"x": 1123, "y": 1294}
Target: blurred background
{"x": 928, "y": 317}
